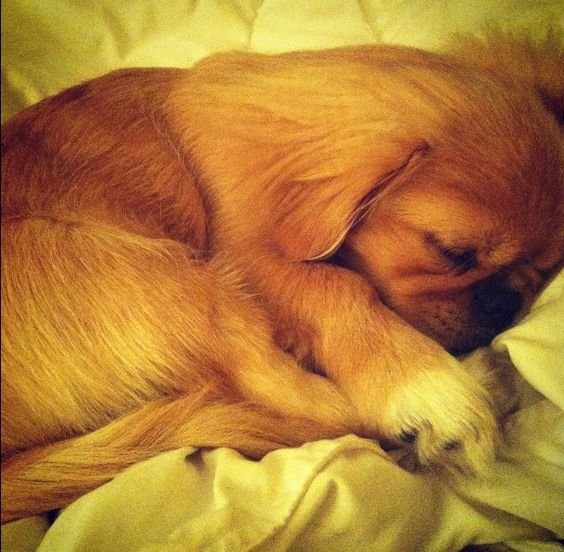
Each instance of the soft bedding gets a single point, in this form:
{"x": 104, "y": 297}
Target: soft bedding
{"x": 345, "y": 494}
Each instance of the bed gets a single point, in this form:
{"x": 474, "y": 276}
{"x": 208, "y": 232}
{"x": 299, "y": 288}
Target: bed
{"x": 344, "y": 494}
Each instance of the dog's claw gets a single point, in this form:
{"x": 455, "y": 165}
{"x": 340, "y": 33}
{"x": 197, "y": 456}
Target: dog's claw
{"x": 408, "y": 435}
{"x": 451, "y": 445}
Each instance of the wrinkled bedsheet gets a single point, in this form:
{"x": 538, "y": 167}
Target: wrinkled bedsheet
{"x": 345, "y": 494}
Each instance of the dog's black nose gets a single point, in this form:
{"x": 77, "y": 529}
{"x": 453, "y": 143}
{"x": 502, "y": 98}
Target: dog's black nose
{"x": 495, "y": 305}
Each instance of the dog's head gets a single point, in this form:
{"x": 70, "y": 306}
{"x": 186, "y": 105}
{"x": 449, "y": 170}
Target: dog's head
{"x": 460, "y": 242}
{"x": 451, "y": 204}
{"x": 460, "y": 247}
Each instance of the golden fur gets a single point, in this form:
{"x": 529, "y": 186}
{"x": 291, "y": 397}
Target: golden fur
{"x": 266, "y": 250}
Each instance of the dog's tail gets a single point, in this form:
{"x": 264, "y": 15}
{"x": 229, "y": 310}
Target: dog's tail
{"x": 52, "y": 476}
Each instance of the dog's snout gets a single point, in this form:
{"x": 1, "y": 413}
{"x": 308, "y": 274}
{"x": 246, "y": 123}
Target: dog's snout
{"x": 495, "y": 305}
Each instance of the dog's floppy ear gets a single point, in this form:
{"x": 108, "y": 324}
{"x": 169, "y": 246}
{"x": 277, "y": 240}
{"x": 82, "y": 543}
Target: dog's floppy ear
{"x": 316, "y": 210}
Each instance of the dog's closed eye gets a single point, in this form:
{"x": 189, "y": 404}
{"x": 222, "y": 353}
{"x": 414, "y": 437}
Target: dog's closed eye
{"x": 460, "y": 259}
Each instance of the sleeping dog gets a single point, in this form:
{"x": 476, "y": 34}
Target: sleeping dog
{"x": 266, "y": 250}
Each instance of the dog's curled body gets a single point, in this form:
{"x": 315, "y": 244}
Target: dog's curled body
{"x": 180, "y": 245}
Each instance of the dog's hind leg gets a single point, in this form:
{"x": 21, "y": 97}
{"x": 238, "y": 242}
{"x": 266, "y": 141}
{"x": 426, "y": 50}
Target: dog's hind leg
{"x": 117, "y": 346}
{"x": 99, "y": 321}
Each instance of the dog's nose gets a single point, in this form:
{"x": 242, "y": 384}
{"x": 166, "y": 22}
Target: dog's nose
{"x": 495, "y": 305}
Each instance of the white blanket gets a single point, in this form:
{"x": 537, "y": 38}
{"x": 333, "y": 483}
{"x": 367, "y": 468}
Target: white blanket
{"x": 337, "y": 495}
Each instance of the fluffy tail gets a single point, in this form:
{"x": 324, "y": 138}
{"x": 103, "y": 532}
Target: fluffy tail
{"x": 52, "y": 476}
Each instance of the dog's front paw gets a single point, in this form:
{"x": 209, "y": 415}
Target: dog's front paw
{"x": 446, "y": 421}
